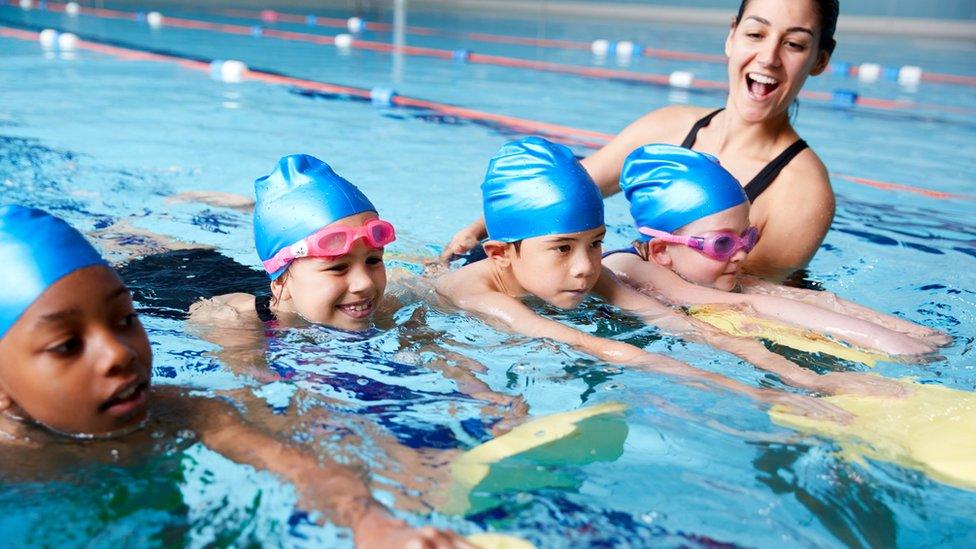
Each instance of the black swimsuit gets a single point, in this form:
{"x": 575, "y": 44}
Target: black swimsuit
{"x": 768, "y": 174}
{"x": 262, "y": 306}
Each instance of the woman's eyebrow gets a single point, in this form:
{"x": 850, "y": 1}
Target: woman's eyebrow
{"x": 791, "y": 29}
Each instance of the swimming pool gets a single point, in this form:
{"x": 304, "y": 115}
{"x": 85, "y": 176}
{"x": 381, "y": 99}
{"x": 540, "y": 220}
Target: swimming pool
{"x": 104, "y": 138}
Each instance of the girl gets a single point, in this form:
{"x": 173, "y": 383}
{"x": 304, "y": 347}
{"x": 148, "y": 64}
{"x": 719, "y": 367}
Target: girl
{"x": 693, "y": 217}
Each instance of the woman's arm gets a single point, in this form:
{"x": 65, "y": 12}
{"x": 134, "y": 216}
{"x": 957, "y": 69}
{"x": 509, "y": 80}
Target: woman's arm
{"x": 794, "y": 214}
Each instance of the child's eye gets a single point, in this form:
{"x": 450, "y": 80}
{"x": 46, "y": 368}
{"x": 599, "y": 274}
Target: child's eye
{"x": 129, "y": 320}
{"x": 796, "y": 46}
{"x": 372, "y": 261}
{"x": 754, "y": 35}
{"x": 596, "y": 243}
{"x": 338, "y": 268}
{"x": 68, "y": 347}
{"x": 564, "y": 249}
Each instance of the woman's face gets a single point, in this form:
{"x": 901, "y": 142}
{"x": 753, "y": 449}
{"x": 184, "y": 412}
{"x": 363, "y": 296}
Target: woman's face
{"x": 772, "y": 50}
{"x": 341, "y": 292}
{"x": 78, "y": 360}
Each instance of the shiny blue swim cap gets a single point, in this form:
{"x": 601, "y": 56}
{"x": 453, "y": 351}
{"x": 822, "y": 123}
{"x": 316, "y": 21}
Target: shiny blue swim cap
{"x": 36, "y": 250}
{"x": 301, "y": 196}
{"x": 537, "y": 188}
{"x": 669, "y": 187}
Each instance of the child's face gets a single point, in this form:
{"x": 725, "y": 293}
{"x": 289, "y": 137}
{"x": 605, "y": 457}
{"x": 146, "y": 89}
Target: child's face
{"x": 559, "y": 269}
{"x": 341, "y": 292}
{"x": 78, "y": 360}
{"x": 698, "y": 268}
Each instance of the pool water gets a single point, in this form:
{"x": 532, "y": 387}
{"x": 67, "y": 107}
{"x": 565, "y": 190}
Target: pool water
{"x": 105, "y": 141}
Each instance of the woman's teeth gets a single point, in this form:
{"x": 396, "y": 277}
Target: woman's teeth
{"x": 761, "y": 85}
{"x": 762, "y": 78}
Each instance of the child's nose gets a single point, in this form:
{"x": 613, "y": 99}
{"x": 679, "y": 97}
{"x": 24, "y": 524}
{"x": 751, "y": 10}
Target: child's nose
{"x": 360, "y": 281}
{"x": 117, "y": 357}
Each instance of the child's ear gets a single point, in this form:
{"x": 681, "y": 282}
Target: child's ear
{"x": 6, "y": 403}
{"x": 279, "y": 289}
{"x": 657, "y": 250}
{"x": 497, "y": 251}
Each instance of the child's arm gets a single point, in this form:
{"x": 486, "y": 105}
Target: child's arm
{"x": 337, "y": 490}
{"x": 514, "y": 316}
{"x": 848, "y": 328}
{"x": 833, "y": 302}
{"x": 748, "y": 349}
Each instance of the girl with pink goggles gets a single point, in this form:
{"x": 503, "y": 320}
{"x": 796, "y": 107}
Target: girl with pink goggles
{"x": 720, "y": 246}
{"x": 334, "y": 241}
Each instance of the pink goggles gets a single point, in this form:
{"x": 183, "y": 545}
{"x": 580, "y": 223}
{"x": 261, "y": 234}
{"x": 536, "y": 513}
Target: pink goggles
{"x": 721, "y": 245}
{"x": 333, "y": 242}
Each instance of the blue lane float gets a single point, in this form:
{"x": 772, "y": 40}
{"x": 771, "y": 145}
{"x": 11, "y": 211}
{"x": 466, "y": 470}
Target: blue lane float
{"x": 311, "y": 20}
{"x": 844, "y": 99}
{"x": 257, "y": 31}
{"x": 461, "y": 56}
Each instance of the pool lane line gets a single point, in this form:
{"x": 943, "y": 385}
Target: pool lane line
{"x": 511, "y": 62}
{"x": 552, "y": 43}
{"x": 566, "y": 134}
{"x": 334, "y": 22}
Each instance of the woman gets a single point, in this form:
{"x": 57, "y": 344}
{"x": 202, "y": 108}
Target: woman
{"x": 773, "y": 46}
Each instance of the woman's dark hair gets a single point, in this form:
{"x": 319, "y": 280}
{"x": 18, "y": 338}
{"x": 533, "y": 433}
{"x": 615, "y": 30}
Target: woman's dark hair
{"x": 828, "y": 11}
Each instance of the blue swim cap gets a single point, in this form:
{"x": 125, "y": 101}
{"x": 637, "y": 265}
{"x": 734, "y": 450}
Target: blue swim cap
{"x": 537, "y": 188}
{"x": 669, "y": 187}
{"x": 301, "y": 196}
{"x": 36, "y": 250}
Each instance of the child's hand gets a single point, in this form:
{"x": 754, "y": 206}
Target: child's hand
{"x": 463, "y": 241}
{"x": 381, "y": 531}
{"x": 806, "y": 406}
{"x": 895, "y": 343}
{"x": 838, "y": 383}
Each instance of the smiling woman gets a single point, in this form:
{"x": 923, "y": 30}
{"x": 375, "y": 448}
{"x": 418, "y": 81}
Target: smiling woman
{"x": 772, "y": 46}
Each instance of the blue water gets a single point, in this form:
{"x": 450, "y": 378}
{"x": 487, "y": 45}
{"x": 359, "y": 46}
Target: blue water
{"x": 101, "y": 140}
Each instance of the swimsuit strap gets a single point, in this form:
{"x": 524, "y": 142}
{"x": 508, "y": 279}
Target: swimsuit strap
{"x": 627, "y": 250}
{"x": 262, "y": 306}
{"x": 689, "y": 141}
{"x": 768, "y": 174}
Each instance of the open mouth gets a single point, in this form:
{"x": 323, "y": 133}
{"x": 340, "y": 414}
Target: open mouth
{"x": 358, "y": 310}
{"x": 127, "y": 401}
{"x": 760, "y": 85}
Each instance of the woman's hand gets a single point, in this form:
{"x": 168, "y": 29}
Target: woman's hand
{"x": 464, "y": 240}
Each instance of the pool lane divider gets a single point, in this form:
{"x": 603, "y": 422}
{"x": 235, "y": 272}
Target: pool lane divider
{"x": 687, "y": 81}
{"x": 564, "y": 134}
{"x": 623, "y": 48}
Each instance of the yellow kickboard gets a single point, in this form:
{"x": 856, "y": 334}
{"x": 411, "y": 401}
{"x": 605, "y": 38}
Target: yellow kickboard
{"x": 521, "y": 459}
{"x": 933, "y": 430}
{"x": 736, "y": 323}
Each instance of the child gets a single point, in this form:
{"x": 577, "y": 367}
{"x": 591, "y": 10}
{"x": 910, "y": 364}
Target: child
{"x": 693, "y": 218}
{"x": 545, "y": 225}
{"x": 321, "y": 242}
{"x": 75, "y": 363}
